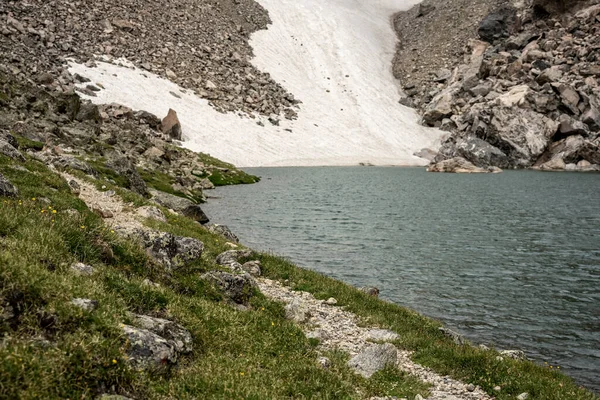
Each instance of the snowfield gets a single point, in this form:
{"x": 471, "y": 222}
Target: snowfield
{"x": 333, "y": 55}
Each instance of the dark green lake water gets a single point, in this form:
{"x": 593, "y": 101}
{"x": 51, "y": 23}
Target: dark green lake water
{"x": 511, "y": 260}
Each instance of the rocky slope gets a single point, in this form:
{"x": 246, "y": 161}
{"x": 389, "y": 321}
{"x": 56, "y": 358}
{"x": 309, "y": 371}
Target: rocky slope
{"x": 202, "y": 46}
{"x": 526, "y": 93}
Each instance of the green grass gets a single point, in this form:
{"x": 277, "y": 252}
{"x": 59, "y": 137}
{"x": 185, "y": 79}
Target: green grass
{"x": 431, "y": 348}
{"x": 222, "y": 173}
{"x": 26, "y": 144}
{"x": 54, "y": 350}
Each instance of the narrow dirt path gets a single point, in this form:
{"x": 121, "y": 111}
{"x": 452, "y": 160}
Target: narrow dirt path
{"x": 338, "y": 329}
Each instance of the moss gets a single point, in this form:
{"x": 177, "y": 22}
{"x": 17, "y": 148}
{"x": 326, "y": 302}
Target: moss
{"x": 27, "y": 144}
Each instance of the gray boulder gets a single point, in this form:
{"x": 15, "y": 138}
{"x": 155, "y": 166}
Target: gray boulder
{"x": 230, "y": 257}
{"x": 223, "y": 231}
{"x": 455, "y": 336}
{"x": 457, "y": 165}
{"x": 170, "y": 201}
{"x": 147, "y": 350}
{"x": 171, "y": 251}
{"x": 570, "y": 126}
{"x": 126, "y": 169}
{"x": 175, "y": 334}
{"x": 498, "y": 24}
{"x": 373, "y": 359}
{"x": 238, "y": 288}
{"x": 592, "y": 118}
{"x": 10, "y": 151}
{"x": 254, "y": 268}
{"x": 195, "y": 212}
{"x": 297, "y": 311}
{"x": 523, "y": 135}
{"x": 515, "y": 354}
{"x": 7, "y": 189}
{"x": 439, "y": 108}
{"x": 475, "y": 150}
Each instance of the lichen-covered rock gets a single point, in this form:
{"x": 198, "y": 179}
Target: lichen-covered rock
{"x": 171, "y": 251}
{"x": 373, "y": 359}
{"x": 170, "y": 201}
{"x": 223, "y": 231}
{"x": 177, "y": 335}
{"x": 297, "y": 311}
{"x": 254, "y": 268}
{"x": 232, "y": 256}
{"x": 7, "y": 189}
{"x": 238, "y": 288}
{"x": 515, "y": 354}
{"x": 147, "y": 350}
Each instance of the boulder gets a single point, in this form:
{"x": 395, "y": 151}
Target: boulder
{"x": 179, "y": 337}
{"x": 439, "y": 108}
{"x": 455, "y": 165}
{"x": 254, "y": 268}
{"x": 570, "y": 126}
{"x": 10, "y": 151}
{"x": 297, "y": 311}
{"x": 569, "y": 97}
{"x": 238, "y": 288}
{"x": 475, "y": 150}
{"x": 515, "y": 97}
{"x": 223, "y": 231}
{"x": 554, "y": 164}
{"x": 194, "y": 211}
{"x": 523, "y": 135}
{"x": 373, "y": 359}
{"x": 7, "y": 189}
{"x": 514, "y": 354}
{"x": 455, "y": 336}
{"x": 126, "y": 169}
{"x": 550, "y": 75}
{"x": 171, "y": 126}
{"x": 175, "y": 203}
{"x": 231, "y": 256}
{"x": 592, "y": 118}
{"x": 147, "y": 350}
{"x": 498, "y": 24}
{"x": 171, "y": 251}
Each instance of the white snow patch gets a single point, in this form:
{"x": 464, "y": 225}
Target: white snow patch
{"x": 344, "y": 46}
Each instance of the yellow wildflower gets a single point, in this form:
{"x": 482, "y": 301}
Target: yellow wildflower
{"x": 53, "y": 211}
{"x": 114, "y": 361}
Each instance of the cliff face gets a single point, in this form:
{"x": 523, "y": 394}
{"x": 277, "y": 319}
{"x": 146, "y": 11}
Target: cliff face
{"x": 524, "y": 90}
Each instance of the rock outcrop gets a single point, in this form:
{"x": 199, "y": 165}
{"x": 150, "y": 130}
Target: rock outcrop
{"x": 525, "y": 85}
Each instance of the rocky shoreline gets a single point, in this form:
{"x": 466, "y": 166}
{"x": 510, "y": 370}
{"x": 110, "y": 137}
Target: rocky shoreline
{"x": 525, "y": 93}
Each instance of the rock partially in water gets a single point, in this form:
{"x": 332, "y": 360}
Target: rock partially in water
{"x": 515, "y": 354}
{"x": 460, "y": 166}
{"x": 373, "y": 359}
{"x": 370, "y": 290}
